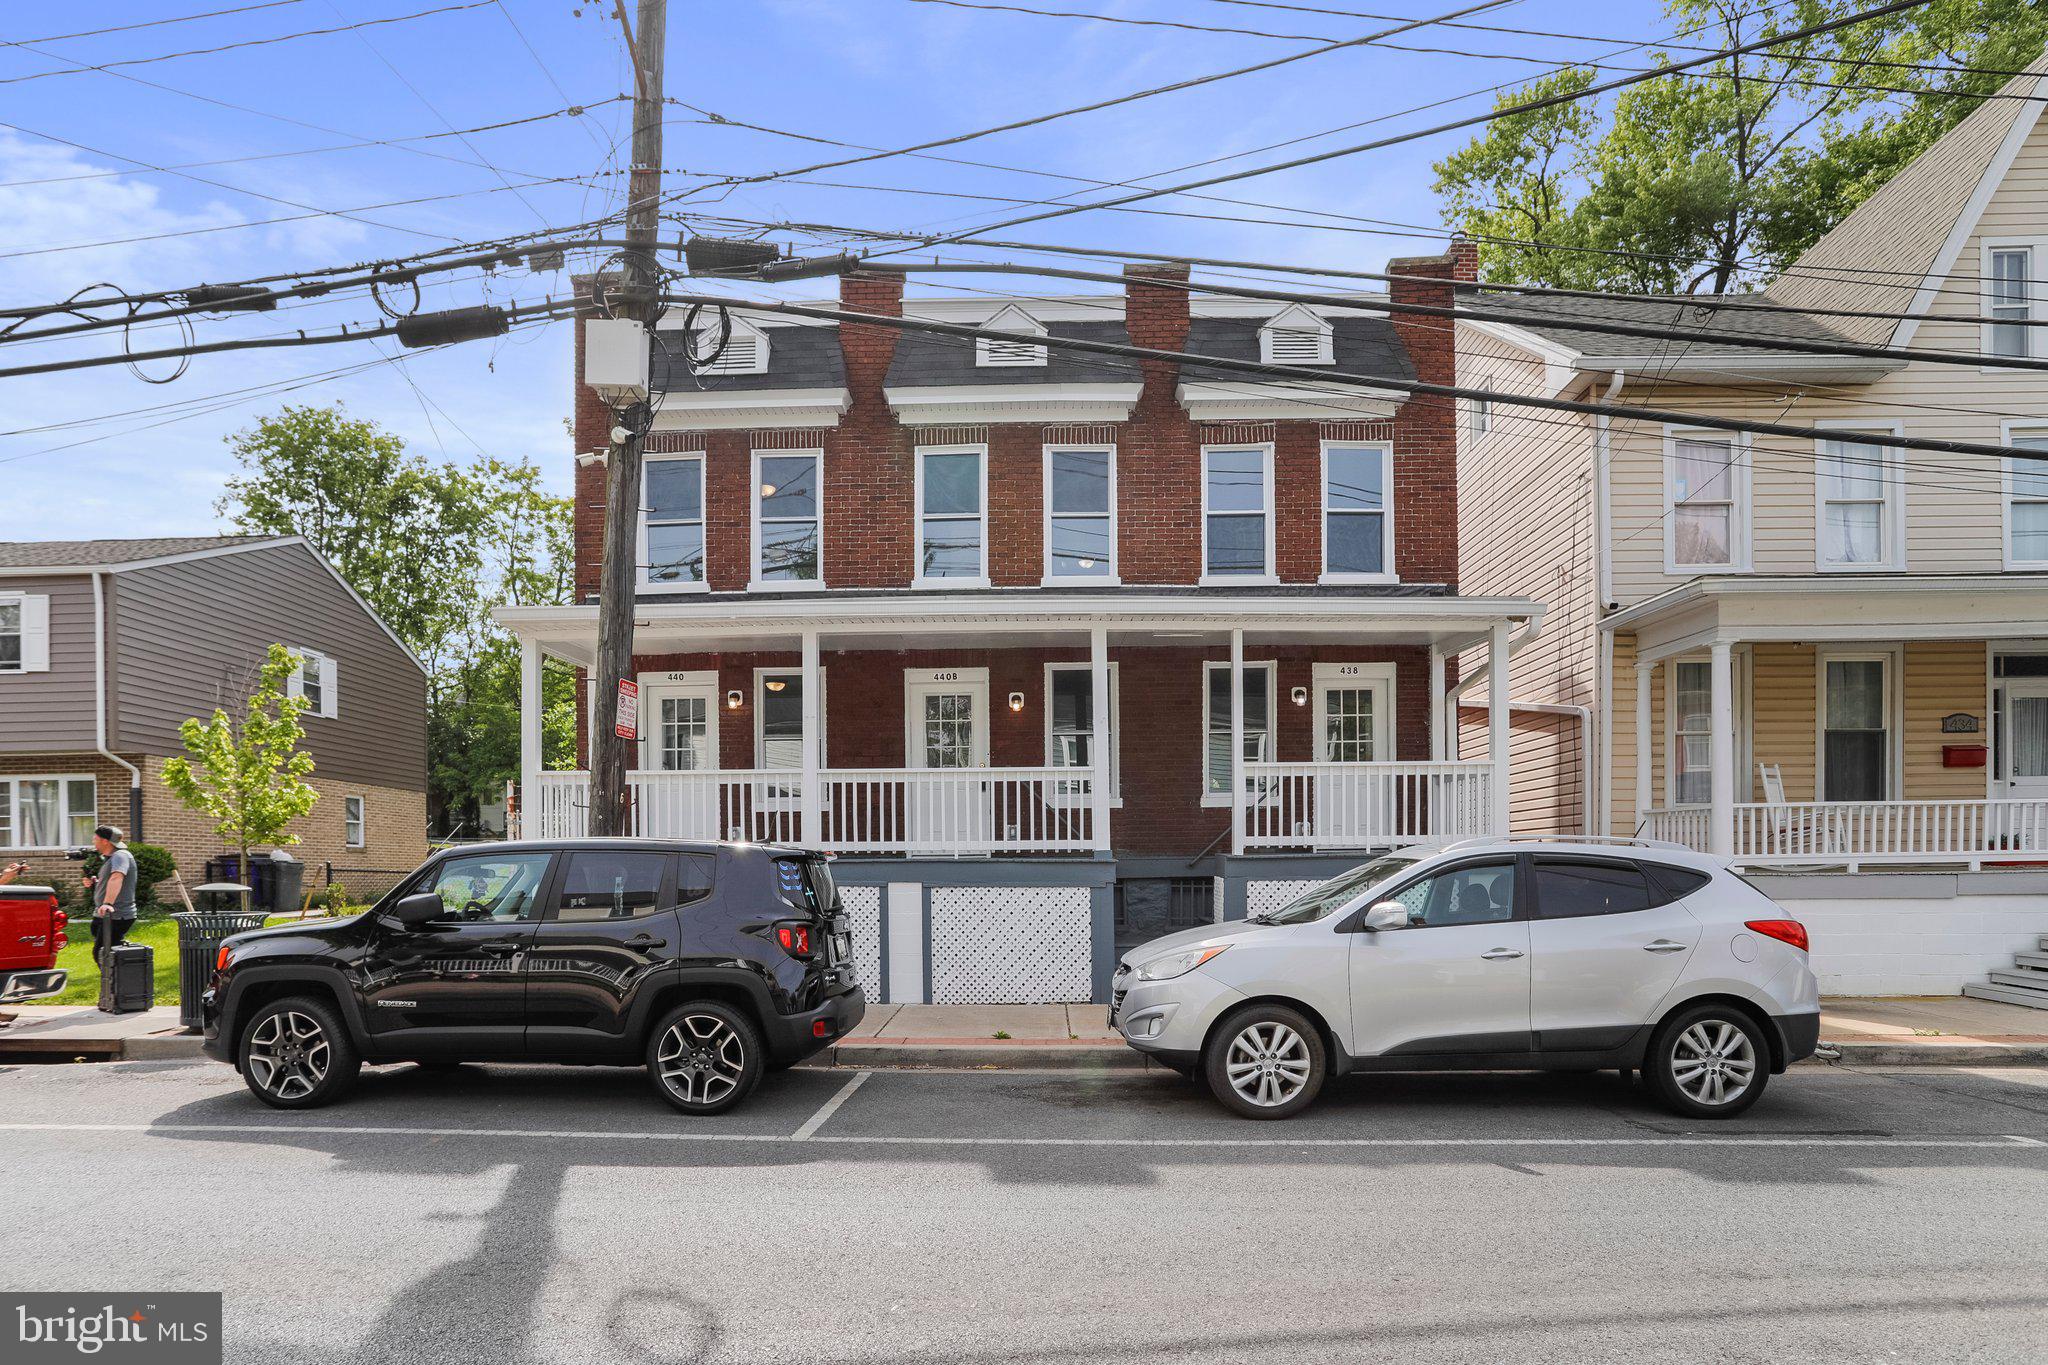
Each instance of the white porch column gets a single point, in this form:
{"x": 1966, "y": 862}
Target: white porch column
{"x": 1236, "y": 741}
{"x": 1721, "y": 773}
{"x": 1646, "y": 744}
{"x": 813, "y": 832}
{"x": 529, "y": 739}
{"x": 1098, "y": 780}
{"x": 1497, "y": 724}
{"x": 1438, "y": 751}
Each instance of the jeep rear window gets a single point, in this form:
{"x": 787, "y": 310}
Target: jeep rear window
{"x": 806, "y": 882}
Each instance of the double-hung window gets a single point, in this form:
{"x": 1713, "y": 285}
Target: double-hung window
{"x": 24, "y": 632}
{"x": 2008, "y": 299}
{"x": 1706, "y": 491}
{"x": 1070, "y": 727}
{"x": 952, "y": 511}
{"x": 1358, "y": 485}
{"x": 1855, "y": 735}
{"x": 11, "y": 632}
{"x": 1859, "y": 500}
{"x": 1080, "y": 512}
{"x": 788, "y": 517}
{"x": 1692, "y": 741}
{"x": 352, "y": 832}
{"x": 2026, "y": 501}
{"x": 672, "y": 525}
{"x": 1258, "y": 726}
{"x": 48, "y": 812}
{"x": 318, "y": 681}
{"x": 1237, "y": 512}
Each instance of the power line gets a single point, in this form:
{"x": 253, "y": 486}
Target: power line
{"x": 149, "y": 23}
{"x": 231, "y": 47}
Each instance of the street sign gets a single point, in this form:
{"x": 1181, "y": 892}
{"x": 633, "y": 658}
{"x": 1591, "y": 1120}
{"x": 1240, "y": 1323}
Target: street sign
{"x": 628, "y": 724}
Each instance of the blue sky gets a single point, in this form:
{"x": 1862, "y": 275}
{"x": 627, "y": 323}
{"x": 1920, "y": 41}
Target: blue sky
{"x": 881, "y": 72}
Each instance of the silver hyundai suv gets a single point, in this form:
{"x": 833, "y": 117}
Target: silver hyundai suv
{"x": 1498, "y": 954}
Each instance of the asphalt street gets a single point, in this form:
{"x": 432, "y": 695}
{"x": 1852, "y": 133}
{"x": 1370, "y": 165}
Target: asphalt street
{"x": 565, "y": 1215}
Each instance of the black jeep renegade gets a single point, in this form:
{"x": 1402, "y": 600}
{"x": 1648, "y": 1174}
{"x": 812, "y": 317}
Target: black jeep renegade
{"x": 707, "y": 963}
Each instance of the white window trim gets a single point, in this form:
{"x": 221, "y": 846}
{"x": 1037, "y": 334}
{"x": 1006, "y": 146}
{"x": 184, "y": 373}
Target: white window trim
{"x": 2008, "y": 433}
{"x": 330, "y": 681}
{"x": 1893, "y": 658}
{"x": 1389, "y": 574}
{"x": 1479, "y": 415}
{"x": 1111, "y": 579}
{"x": 31, "y": 661}
{"x": 1272, "y": 671}
{"x": 1116, "y": 767}
{"x": 1739, "y": 508}
{"x": 918, "y": 580}
{"x": 1739, "y": 712}
{"x": 2037, "y": 295}
{"x": 361, "y": 806}
{"x": 647, "y": 584}
{"x": 1298, "y": 318}
{"x": 1892, "y": 521}
{"x": 654, "y": 687}
{"x": 755, "y": 582}
{"x": 1270, "y": 575}
{"x": 16, "y": 825}
{"x": 1010, "y": 318}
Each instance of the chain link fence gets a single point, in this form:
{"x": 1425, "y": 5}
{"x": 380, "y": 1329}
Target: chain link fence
{"x": 345, "y": 890}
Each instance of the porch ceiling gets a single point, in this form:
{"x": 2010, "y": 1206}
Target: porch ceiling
{"x": 1847, "y": 607}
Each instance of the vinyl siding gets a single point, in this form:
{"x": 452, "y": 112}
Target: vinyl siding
{"x": 1546, "y": 768}
{"x": 1622, "y": 713}
{"x": 53, "y": 711}
{"x": 188, "y": 637}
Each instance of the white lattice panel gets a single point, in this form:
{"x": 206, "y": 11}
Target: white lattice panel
{"x": 1011, "y": 945}
{"x": 1264, "y": 897}
{"x": 863, "y": 905}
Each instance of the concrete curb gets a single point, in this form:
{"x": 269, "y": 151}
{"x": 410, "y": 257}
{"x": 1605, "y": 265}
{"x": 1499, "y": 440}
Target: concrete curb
{"x": 1935, "y": 1052}
{"x": 869, "y": 1055}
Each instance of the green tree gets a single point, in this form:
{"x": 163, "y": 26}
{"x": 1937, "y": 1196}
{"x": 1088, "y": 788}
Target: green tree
{"x": 247, "y": 773}
{"x": 1715, "y": 179}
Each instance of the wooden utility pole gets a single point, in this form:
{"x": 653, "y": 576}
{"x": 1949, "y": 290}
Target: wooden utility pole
{"x": 609, "y": 810}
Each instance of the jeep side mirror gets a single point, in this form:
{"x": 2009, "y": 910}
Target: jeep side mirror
{"x": 1386, "y": 915}
{"x": 418, "y": 909}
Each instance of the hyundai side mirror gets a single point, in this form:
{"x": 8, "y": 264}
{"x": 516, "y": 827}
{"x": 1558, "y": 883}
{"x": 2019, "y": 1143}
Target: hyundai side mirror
{"x": 418, "y": 909}
{"x": 1386, "y": 915}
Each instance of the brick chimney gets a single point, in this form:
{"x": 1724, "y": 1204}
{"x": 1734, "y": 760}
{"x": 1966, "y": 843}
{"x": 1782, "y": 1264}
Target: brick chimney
{"x": 1159, "y": 474}
{"x": 868, "y": 350}
{"x": 1426, "y": 426}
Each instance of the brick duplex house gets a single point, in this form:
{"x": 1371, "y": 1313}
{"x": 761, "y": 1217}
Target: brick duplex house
{"x": 896, "y": 587}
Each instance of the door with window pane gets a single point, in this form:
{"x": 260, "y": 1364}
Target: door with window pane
{"x": 946, "y": 733}
{"x": 1856, "y": 740}
{"x": 2025, "y": 739}
{"x": 1353, "y": 722}
{"x": 679, "y": 736}
{"x": 1692, "y": 733}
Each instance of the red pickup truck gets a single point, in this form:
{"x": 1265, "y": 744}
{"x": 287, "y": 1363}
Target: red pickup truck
{"x": 31, "y": 935}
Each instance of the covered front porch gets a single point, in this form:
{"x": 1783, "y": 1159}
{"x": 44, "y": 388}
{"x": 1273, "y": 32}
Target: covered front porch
{"x": 927, "y": 725}
{"x": 1884, "y": 721}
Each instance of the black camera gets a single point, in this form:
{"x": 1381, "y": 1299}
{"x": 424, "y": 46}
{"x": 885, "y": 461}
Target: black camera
{"x": 77, "y": 855}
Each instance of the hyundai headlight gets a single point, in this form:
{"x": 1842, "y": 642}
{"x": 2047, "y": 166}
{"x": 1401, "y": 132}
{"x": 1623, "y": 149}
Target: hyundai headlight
{"x": 1177, "y": 964}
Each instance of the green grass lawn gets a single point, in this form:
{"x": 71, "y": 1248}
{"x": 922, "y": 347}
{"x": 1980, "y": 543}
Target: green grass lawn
{"x": 153, "y": 927}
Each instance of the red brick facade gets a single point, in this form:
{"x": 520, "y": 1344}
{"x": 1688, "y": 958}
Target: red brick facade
{"x": 869, "y": 483}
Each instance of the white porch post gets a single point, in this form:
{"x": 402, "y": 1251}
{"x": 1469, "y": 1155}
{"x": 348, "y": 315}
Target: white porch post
{"x": 1099, "y": 748}
{"x": 1646, "y": 744}
{"x": 1497, "y": 724}
{"x": 529, "y": 739}
{"x": 1236, "y": 741}
{"x": 1437, "y": 749}
{"x": 1721, "y": 774}
{"x": 813, "y": 726}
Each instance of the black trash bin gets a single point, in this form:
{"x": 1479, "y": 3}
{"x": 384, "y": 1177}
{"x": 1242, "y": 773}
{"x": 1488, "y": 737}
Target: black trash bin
{"x": 287, "y": 883}
{"x": 222, "y": 908}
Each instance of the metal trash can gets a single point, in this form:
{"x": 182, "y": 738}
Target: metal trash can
{"x": 287, "y": 883}
{"x": 223, "y": 909}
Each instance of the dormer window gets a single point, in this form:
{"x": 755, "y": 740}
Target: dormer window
{"x": 1002, "y": 351}
{"x": 745, "y": 352}
{"x": 1296, "y": 336}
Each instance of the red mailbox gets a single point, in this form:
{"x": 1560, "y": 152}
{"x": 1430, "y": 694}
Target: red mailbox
{"x": 1963, "y": 755}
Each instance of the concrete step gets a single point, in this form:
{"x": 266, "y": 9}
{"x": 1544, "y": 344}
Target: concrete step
{"x": 2023, "y": 981}
{"x": 2007, "y": 995}
{"x": 2032, "y": 961}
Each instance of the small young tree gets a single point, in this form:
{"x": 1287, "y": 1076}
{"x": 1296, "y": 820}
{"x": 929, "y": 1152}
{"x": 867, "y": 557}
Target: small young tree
{"x": 247, "y": 773}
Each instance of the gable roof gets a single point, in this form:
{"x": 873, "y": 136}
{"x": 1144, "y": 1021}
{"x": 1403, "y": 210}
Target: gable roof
{"x": 1702, "y": 322}
{"x": 932, "y": 359}
{"x": 1360, "y": 345}
{"x": 80, "y": 555}
{"x": 1917, "y": 221}
{"x": 798, "y": 358}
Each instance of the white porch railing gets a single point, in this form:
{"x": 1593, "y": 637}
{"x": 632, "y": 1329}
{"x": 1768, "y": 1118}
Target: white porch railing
{"x": 863, "y": 810}
{"x": 1359, "y": 805}
{"x": 1852, "y": 833}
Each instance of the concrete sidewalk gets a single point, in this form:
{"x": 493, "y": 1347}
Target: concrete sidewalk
{"x": 1868, "y": 1031}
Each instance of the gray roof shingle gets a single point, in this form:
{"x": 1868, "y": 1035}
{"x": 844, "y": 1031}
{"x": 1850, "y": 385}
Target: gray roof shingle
{"x": 1700, "y": 324}
{"x": 929, "y": 359}
{"x": 1362, "y": 346}
{"x": 83, "y": 554}
{"x": 798, "y": 358}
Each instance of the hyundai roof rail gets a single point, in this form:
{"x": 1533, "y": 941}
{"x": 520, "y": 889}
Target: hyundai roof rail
{"x": 1622, "y": 840}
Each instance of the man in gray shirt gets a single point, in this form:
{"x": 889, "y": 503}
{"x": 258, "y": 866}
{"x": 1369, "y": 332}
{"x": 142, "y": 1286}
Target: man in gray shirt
{"x": 113, "y": 890}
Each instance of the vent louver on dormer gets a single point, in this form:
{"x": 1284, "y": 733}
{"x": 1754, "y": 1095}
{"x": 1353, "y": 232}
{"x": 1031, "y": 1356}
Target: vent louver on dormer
{"x": 1002, "y": 351}
{"x": 745, "y": 352}
{"x": 1295, "y": 337}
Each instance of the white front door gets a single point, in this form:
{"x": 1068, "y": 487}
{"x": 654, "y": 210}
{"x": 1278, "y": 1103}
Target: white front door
{"x": 1354, "y": 721}
{"x": 2024, "y": 739}
{"x": 946, "y": 731}
{"x": 678, "y": 789}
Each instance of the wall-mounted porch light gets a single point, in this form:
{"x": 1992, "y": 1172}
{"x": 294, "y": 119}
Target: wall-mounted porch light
{"x": 734, "y": 700}
{"x": 1300, "y": 696}
{"x": 1016, "y": 701}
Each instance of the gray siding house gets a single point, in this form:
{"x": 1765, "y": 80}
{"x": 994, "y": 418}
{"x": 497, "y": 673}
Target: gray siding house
{"x": 106, "y": 646}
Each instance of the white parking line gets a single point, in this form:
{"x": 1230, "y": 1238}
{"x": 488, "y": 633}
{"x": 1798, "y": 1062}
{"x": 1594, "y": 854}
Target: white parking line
{"x": 2003, "y": 1141}
{"x": 829, "y": 1108}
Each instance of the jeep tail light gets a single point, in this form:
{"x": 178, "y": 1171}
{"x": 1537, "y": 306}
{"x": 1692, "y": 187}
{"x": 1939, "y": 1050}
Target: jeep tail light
{"x": 1784, "y": 930}
{"x": 795, "y": 939}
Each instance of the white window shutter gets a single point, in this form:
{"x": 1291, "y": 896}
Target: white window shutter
{"x": 35, "y": 634}
{"x": 330, "y": 688}
{"x": 295, "y": 685}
